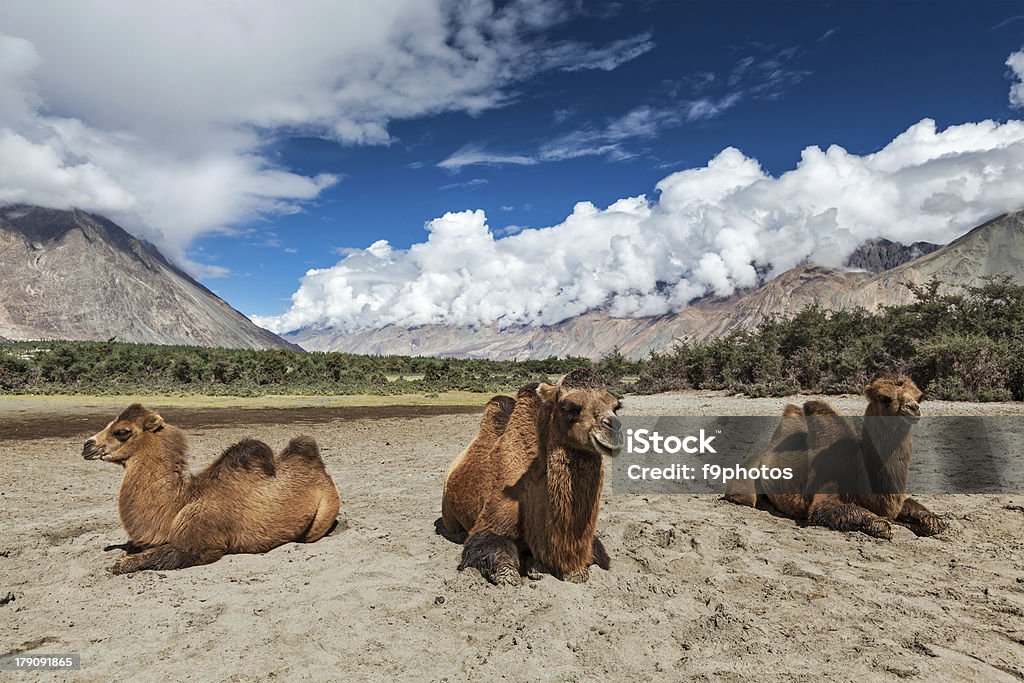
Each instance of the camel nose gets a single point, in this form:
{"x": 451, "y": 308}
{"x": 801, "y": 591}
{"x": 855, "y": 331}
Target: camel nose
{"x": 913, "y": 408}
{"x": 89, "y": 449}
{"x": 612, "y": 422}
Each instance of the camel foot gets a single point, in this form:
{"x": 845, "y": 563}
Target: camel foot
{"x": 535, "y": 571}
{"x": 879, "y": 528}
{"x": 825, "y": 510}
{"x": 581, "y": 576}
{"x": 929, "y": 525}
{"x": 163, "y": 556}
{"x": 127, "y": 564}
{"x": 920, "y": 519}
{"x": 497, "y": 557}
{"x": 505, "y": 576}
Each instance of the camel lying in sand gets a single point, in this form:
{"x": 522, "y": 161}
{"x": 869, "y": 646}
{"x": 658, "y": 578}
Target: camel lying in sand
{"x": 531, "y": 481}
{"x": 247, "y": 501}
{"x": 844, "y": 480}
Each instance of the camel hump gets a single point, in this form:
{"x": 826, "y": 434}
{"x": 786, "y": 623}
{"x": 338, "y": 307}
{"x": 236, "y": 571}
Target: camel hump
{"x": 501, "y": 405}
{"x": 302, "y": 447}
{"x": 792, "y": 410}
{"x": 499, "y": 409}
{"x": 249, "y": 454}
{"x": 528, "y": 390}
{"x": 819, "y": 408}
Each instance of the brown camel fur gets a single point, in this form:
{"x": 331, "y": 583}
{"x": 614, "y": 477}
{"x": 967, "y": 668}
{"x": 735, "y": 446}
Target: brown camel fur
{"x": 531, "y": 481}
{"x": 844, "y": 480}
{"x": 247, "y": 501}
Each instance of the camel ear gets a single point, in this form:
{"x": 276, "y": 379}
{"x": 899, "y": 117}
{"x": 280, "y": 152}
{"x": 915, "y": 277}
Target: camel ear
{"x": 153, "y": 423}
{"x": 547, "y": 392}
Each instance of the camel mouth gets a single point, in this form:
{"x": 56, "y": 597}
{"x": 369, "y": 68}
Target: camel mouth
{"x": 93, "y": 453}
{"x": 911, "y": 419}
{"x": 604, "y": 444}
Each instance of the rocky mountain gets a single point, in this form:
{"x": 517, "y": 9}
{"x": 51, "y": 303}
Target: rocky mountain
{"x": 881, "y": 254}
{"x": 75, "y": 275}
{"x": 994, "y": 248}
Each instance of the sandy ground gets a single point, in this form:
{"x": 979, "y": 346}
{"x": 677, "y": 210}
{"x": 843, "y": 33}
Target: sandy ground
{"x": 699, "y": 588}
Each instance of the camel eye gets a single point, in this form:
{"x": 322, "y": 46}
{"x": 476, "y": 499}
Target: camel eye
{"x": 569, "y": 409}
{"x": 886, "y": 399}
{"x": 122, "y": 434}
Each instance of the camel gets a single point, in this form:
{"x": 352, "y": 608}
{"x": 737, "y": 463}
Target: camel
{"x": 845, "y": 480}
{"x": 530, "y": 482}
{"x": 247, "y": 501}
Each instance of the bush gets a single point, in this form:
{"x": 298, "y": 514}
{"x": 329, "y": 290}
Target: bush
{"x": 967, "y": 346}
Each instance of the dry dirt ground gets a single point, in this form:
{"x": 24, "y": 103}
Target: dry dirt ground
{"x": 699, "y": 588}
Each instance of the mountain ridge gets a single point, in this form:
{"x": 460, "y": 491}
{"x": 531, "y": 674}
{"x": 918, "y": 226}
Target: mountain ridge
{"x": 71, "y": 274}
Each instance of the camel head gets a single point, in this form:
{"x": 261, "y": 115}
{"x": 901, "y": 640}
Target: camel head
{"x": 583, "y": 412}
{"x": 127, "y": 434}
{"x": 892, "y": 394}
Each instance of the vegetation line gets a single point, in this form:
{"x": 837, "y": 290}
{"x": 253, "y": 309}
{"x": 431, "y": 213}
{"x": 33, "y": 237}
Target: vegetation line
{"x": 967, "y": 347}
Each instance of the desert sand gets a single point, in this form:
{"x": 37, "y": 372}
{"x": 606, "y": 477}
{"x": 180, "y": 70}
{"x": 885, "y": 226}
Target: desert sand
{"x": 698, "y": 589}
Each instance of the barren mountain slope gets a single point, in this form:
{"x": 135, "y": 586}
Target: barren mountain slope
{"x": 75, "y": 275}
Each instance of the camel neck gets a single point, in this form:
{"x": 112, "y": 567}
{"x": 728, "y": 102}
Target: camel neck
{"x": 888, "y": 446}
{"x": 156, "y": 484}
{"x": 574, "y": 480}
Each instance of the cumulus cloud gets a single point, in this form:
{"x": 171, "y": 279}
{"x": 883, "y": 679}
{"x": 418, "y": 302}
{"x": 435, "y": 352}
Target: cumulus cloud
{"x": 1016, "y": 64}
{"x": 159, "y": 114}
{"x": 708, "y": 229}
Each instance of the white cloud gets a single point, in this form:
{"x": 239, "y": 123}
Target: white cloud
{"x": 159, "y": 114}
{"x": 1016, "y": 64}
{"x": 610, "y": 57}
{"x": 475, "y": 182}
{"x": 475, "y": 155}
{"x": 605, "y": 140}
{"x": 703, "y": 234}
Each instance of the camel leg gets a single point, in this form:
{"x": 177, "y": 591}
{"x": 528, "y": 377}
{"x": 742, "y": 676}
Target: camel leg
{"x": 535, "y": 570}
{"x": 743, "y": 491}
{"x": 164, "y": 556}
{"x": 920, "y": 519}
{"x": 835, "y": 514}
{"x": 324, "y": 518}
{"x": 750, "y": 499}
{"x": 451, "y": 524}
{"x": 497, "y": 557}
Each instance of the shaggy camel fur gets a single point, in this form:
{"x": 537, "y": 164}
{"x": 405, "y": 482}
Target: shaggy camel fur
{"x": 247, "y": 501}
{"x": 531, "y": 481}
{"x": 844, "y": 480}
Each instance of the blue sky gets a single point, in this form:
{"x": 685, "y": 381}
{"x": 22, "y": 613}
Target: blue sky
{"x": 252, "y": 146}
{"x": 857, "y": 74}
